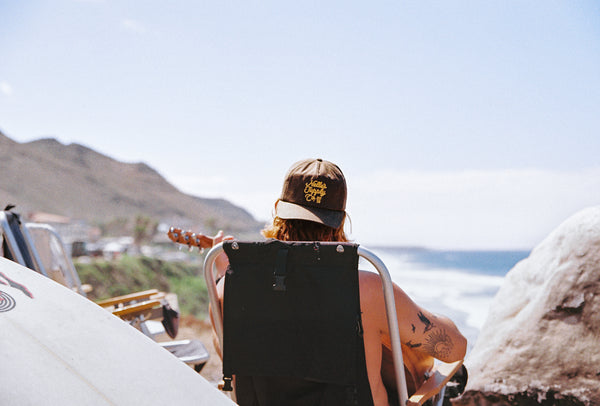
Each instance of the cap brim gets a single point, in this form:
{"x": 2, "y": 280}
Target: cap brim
{"x": 331, "y": 218}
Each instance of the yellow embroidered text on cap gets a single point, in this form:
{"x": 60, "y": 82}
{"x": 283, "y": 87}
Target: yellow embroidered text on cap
{"x": 314, "y": 191}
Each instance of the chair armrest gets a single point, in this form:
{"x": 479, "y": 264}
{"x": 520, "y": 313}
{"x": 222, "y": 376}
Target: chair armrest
{"x": 439, "y": 377}
{"x": 146, "y": 294}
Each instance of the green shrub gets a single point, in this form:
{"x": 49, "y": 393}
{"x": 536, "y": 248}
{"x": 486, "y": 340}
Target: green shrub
{"x": 192, "y": 295}
{"x": 133, "y": 274}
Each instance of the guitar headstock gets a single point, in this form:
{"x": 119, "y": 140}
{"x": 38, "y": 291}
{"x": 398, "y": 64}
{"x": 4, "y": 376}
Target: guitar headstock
{"x": 190, "y": 239}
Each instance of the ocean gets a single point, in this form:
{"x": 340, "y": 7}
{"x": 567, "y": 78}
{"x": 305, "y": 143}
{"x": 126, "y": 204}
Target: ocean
{"x": 456, "y": 284}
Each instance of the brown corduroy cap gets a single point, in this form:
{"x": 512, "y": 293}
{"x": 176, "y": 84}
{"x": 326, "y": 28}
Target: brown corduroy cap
{"x": 314, "y": 190}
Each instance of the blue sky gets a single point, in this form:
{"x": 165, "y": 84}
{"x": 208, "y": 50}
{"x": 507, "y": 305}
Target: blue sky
{"x": 458, "y": 124}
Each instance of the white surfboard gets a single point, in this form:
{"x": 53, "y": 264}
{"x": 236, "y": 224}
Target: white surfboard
{"x": 59, "y": 348}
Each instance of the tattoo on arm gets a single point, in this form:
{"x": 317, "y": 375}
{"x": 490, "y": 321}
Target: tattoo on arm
{"x": 428, "y": 324}
{"x": 439, "y": 344}
{"x": 413, "y": 327}
{"x": 411, "y": 345}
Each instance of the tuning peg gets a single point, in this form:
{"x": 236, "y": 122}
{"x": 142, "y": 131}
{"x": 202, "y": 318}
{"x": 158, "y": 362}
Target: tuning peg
{"x": 196, "y": 239}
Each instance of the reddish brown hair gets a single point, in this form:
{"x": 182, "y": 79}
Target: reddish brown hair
{"x": 303, "y": 230}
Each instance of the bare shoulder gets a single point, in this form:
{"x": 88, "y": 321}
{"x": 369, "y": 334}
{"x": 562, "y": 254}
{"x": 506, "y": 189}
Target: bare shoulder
{"x": 369, "y": 279}
{"x": 372, "y": 298}
{"x": 371, "y": 288}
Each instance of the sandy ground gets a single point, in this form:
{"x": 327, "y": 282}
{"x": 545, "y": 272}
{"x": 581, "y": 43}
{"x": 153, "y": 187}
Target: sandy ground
{"x": 193, "y": 328}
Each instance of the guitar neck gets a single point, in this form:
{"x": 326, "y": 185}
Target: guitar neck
{"x": 190, "y": 238}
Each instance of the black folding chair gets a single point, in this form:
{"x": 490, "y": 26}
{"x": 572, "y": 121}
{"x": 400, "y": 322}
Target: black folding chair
{"x": 291, "y": 321}
{"x": 290, "y": 329}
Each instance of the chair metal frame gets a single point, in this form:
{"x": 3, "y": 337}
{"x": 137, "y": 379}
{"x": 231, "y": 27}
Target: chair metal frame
{"x": 388, "y": 292}
{"x": 73, "y": 275}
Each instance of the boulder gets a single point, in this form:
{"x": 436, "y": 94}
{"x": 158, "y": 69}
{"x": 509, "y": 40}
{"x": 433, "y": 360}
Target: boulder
{"x": 540, "y": 344}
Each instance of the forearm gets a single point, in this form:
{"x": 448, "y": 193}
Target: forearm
{"x": 221, "y": 262}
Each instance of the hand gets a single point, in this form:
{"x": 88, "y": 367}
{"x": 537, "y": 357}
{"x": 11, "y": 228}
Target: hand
{"x": 221, "y": 262}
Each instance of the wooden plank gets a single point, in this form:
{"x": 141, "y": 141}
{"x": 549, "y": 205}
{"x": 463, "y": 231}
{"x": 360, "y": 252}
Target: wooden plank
{"x": 146, "y": 294}
{"x": 440, "y": 375}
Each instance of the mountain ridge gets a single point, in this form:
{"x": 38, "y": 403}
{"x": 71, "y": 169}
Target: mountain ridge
{"x": 78, "y": 182}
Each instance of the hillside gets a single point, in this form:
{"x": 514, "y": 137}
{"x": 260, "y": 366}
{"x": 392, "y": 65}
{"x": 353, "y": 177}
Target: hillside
{"x": 75, "y": 181}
